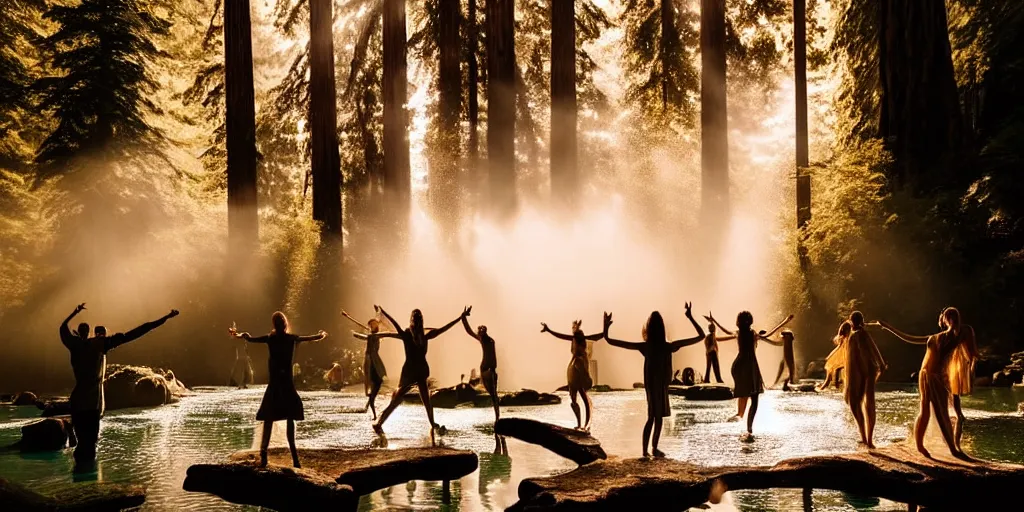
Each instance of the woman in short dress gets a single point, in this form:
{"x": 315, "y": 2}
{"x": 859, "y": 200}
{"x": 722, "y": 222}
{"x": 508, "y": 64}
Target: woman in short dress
{"x": 578, "y": 372}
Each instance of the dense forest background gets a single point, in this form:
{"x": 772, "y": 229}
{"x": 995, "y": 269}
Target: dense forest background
{"x": 451, "y": 152}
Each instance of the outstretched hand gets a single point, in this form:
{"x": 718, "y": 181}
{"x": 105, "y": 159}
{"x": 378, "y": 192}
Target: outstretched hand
{"x": 173, "y": 313}
{"x": 544, "y": 327}
{"x": 689, "y": 312}
{"x": 376, "y": 308}
{"x": 467, "y": 311}
{"x": 322, "y": 334}
{"x": 80, "y": 307}
{"x": 607, "y": 321}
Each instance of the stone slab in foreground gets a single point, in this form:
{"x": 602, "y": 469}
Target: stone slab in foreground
{"x": 94, "y": 497}
{"x": 275, "y": 487}
{"x": 579, "y": 447}
{"x": 898, "y": 473}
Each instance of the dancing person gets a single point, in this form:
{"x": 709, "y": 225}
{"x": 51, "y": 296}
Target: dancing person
{"x": 578, "y": 372}
{"x": 415, "y": 370}
{"x": 657, "y": 352}
{"x": 89, "y": 364}
{"x": 242, "y": 368}
{"x": 934, "y": 377}
{"x": 746, "y": 373}
{"x": 864, "y": 365}
{"x": 788, "y": 360}
{"x": 836, "y": 359}
{"x": 373, "y": 366}
{"x": 488, "y": 365}
{"x": 711, "y": 355}
{"x": 280, "y": 400}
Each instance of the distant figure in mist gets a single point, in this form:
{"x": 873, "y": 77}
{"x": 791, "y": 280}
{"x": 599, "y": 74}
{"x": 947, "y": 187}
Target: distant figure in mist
{"x": 241, "y": 372}
{"x": 657, "y": 353}
{"x": 711, "y": 355}
{"x": 746, "y": 373}
{"x": 946, "y": 373}
{"x": 373, "y": 366}
{"x": 578, "y": 372}
{"x": 335, "y": 377}
{"x": 836, "y": 359}
{"x": 788, "y": 360}
{"x": 89, "y": 363}
{"x": 415, "y": 371}
{"x": 489, "y": 363}
{"x": 864, "y": 365}
{"x": 280, "y": 400}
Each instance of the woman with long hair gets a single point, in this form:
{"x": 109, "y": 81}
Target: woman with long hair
{"x": 280, "y": 400}
{"x": 864, "y": 365}
{"x": 578, "y": 372}
{"x": 936, "y": 381}
{"x": 657, "y": 353}
{"x": 373, "y": 366}
{"x": 836, "y": 359}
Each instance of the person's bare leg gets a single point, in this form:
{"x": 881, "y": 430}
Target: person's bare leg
{"x": 491, "y": 384}
{"x": 707, "y": 371}
{"x": 396, "y": 399}
{"x": 291, "y": 443}
{"x": 857, "y": 408}
{"x": 958, "y": 431}
{"x": 425, "y": 398}
{"x": 940, "y": 402}
{"x": 268, "y": 427}
{"x": 741, "y": 408}
{"x": 371, "y": 402}
{"x": 587, "y": 405}
{"x": 923, "y": 416}
{"x": 647, "y": 434}
{"x": 657, "y": 437}
{"x": 870, "y": 413}
{"x": 575, "y": 408}
{"x": 753, "y": 412}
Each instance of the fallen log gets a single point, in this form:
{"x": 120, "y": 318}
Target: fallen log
{"x": 897, "y": 473}
{"x": 579, "y": 447}
{"x": 275, "y": 487}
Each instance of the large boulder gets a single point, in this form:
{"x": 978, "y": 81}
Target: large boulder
{"x": 702, "y": 392}
{"x": 58, "y": 407}
{"x": 1005, "y": 378}
{"x": 816, "y": 369}
{"x": 527, "y": 397}
{"x": 47, "y": 434}
{"x": 274, "y": 487}
{"x": 24, "y": 398}
{"x": 93, "y": 497}
{"x": 135, "y": 386}
{"x": 575, "y": 445}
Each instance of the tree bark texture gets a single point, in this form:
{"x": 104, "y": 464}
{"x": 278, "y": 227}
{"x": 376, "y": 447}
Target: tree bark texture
{"x": 396, "y": 120}
{"x": 243, "y": 223}
{"x": 323, "y": 119}
{"x": 563, "y": 101}
{"x": 713, "y": 113}
{"x": 501, "y": 104}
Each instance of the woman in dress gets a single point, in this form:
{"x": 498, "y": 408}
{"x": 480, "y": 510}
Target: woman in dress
{"x": 657, "y": 353}
{"x": 488, "y": 365}
{"x": 864, "y": 365}
{"x": 373, "y": 366}
{"x": 578, "y": 372}
{"x": 836, "y": 359}
{"x": 280, "y": 400}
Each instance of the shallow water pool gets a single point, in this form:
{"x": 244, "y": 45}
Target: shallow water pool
{"x": 155, "y": 447}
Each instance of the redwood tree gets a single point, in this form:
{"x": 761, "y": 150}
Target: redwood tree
{"x": 563, "y": 100}
{"x": 713, "y": 114}
{"x": 396, "y": 120}
{"x": 240, "y": 127}
{"x": 323, "y": 119}
{"x": 444, "y": 169}
{"x": 473, "y": 79}
{"x": 501, "y": 104}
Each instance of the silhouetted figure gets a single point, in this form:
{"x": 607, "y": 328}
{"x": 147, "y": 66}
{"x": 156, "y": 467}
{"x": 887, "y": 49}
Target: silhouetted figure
{"x": 335, "y": 377}
{"x": 689, "y": 376}
{"x": 864, "y": 365}
{"x": 711, "y": 355}
{"x": 578, "y": 372}
{"x": 935, "y": 380}
{"x": 657, "y": 353}
{"x": 373, "y": 366}
{"x": 89, "y": 363}
{"x": 746, "y": 373}
{"x": 788, "y": 360}
{"x": 280, "y": 400}
{"x": 675, "y": 378}
{"x": 488, "y": 365}
{"x": 415, "y": 371}
{"x": 836, "y": 359}
{"x": 241, "y": 372}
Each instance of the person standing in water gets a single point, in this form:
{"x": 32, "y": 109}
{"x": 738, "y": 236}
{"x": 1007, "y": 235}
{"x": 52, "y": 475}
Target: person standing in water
{"x": 488, "y": 365}
{"x": 241, "y": 372}
{"x": 89, "y": 364}
{"x": 657, "y": 353}
{"x": 415, "y": 371}
{"x": 934, "y": 378}
{"x": 280, "y": 400}
{"x": 836, "y": 359}
{"x": 578, "y": 372}
{"x": 864, "y": 365}
{"x": 746, "y": 373}
{"x": 711, "y": 355}
{"x": 373, "y": 366}
{"x": 788, "y": 360}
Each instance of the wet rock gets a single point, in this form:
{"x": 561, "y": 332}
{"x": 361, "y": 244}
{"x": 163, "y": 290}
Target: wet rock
{"x": 24, "y": 398}
{"x": 1020, "y": 408}
{"x": 274, "y": 487}
{"x": 802, "y": 387}
{"x": 59, "y": 407}
{"x": 702, "y": 392}
{"x": 815, "y": 369}
{"x": 1006, "y": 378}
{"x": 638, "y": 385}
{"x": 577, "y": 446}
{"x": 135, "y": 386}
{"x": 527, "y": 397}
{"x": 98, "y": 497}
{"x": 597, "y": 388}
{"x": 47, "y": 434}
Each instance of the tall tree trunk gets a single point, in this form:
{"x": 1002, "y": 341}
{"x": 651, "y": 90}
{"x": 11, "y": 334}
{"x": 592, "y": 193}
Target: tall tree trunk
{"x": 669, "y": 33}
{"x": 501, "y": 104}
{"x": 323, "y": 119}
{"x": 713, "y": 114}
{"x": 803, "y": 188}
{"x": 563, "y": 101}
{"x": 473, "y": 86}
{"x": 921, "y": 119}
{"x": 444, "y": 171}
{"x": 396, "y": 119}
{"x": 243, "y": 224}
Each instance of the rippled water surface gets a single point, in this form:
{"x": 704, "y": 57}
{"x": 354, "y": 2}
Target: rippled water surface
{"x": 155, "y": 447}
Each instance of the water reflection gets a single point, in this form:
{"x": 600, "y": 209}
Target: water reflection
{"x": 155, "y": 447}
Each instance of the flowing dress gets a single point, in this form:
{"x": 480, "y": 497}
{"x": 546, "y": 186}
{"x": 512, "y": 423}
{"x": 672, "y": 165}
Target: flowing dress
{"x": 746, "y": 374}
{"x": 415, "y": 369}
{"x": 578, "y": 372}
{"x": 280, "y": 400}
{"x": 961, "y": 363}
{"x": 657, "y": 375}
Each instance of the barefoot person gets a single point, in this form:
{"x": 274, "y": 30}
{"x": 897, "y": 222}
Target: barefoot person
{"x": 415, "y": 371}
{"x": 280, "y": 400}
{"x": 241, "y": 372}
{"x": 934, "y": 377}
{"x": 864, "y": 365}
{"x": 711, "y": 355}
{"x": 836, "y": 359}
{"x": 373, "y": 366}
{"x": 657, "y": 353}
{"x": 746, "y": 373}
{"x": 488, "y": 365}
{"x": 578, "y": 372}
{"x": 89, "y": 364}
{"x": 788, "y": 360}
